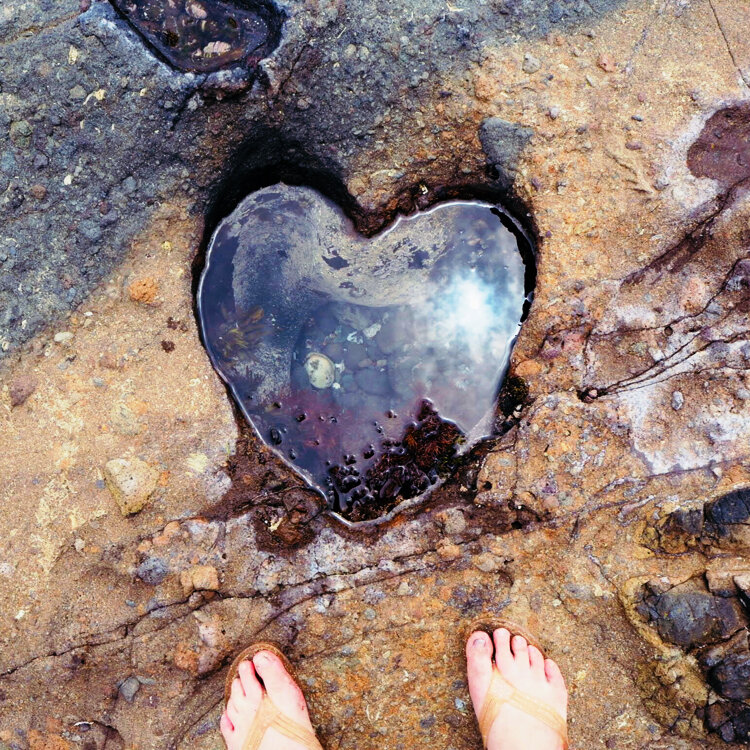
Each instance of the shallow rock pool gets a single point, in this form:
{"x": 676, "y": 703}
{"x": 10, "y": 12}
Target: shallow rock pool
{"x": 368, "y": 364}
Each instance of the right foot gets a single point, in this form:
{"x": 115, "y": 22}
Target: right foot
{"x": 524, "y": 668}
{"x": 247, "y": 694}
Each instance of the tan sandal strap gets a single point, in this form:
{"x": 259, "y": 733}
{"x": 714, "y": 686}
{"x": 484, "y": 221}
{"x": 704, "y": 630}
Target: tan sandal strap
{"x": 501, "y": 692}
{"x": 269, "y": 717}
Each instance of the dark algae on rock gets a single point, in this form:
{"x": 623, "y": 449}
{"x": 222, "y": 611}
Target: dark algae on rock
{"x": 367, "y": 363}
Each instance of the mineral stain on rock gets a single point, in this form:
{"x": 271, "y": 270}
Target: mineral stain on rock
{"x": 204, "y": 36}
{"x": 368, "y": 374}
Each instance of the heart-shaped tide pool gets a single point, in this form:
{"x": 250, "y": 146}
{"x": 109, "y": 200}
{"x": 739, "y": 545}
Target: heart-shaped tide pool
{"x": 366, "y": 363}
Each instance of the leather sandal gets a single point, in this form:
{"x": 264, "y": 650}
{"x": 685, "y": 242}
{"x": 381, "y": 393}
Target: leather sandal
{"x": 269, "y": 716}
{"x": 500, "y": 692}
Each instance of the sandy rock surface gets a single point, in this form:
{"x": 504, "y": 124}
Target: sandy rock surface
{"x": 611, "y": 514}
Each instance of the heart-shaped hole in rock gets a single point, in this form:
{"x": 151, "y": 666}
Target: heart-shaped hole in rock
{"x": 368, "y": 364}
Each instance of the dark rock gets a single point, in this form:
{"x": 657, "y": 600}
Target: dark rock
{"x": 21, "y": 388}
{"x": 355, "y": 353}
{"x": 727, "y": 667}
{"x": 688, "y": 615}
{"x": 129, "y": 687}
{"x": 680, "y": 530}
{"x": 503, "y": 143}
{"x": 224, "y": 34}
{"x": 372, "y": 380}
{"x": 153, "y": 570}
{"x": 722, "y": 150}
{"x": 727, "y": 519}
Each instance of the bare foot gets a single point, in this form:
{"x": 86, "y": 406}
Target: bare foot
{"x": 523, "y": 667}
{"x": 247, "y": 694}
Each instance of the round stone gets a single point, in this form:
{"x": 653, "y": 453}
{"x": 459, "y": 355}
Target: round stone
{"x": 320, "y": 370}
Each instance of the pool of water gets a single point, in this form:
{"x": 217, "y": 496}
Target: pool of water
{"x": 367, "y": 364}
{"x": 205, "y": 35}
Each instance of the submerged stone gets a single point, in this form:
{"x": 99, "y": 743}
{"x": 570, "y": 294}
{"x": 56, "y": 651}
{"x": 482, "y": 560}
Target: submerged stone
{"x": 368, "y": 372}
{"x": 195, "y": 35}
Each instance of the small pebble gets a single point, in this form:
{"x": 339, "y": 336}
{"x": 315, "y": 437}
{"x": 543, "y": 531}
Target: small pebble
{"x": 554, "y": 113}
{"x": 606, "y": 63}
{"x": 677, "y": 400}
{"x": 531, "y": 64}
{"x": 129, "y": 688}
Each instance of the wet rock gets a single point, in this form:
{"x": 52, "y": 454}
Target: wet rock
{"x": 131, "y": 482}
{"x": 206, "y": 36}
{"x": 373, "y": 381}
{"x": 21, "y": 388}
{"x": 320, "y": 370}
{"x": 689, "y": 615}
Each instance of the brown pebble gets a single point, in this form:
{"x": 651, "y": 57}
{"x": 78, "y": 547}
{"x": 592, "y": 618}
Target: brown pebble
{"x": 634, "y": 145}
{"x": 606, "y": 63}
{"x": 38, "y": 191}
{"x": 21, "y": 388}
{"x": 168, "y": 346}
{"x": 143, "y": 290}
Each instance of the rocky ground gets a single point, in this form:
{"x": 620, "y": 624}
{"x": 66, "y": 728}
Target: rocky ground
{"x": 147, "y": 536}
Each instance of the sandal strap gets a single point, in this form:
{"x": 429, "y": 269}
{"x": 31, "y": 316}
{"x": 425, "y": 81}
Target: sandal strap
{"x": 269, "y": 717}
{"x": 501, "y": 692}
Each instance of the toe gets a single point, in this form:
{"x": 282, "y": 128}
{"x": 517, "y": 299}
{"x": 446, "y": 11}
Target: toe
{"x": 536, "y": 661}
{"x": 233, "y": 713}
{"x": 237, "y": 695}
{"x": 281, "y": 688}
{"x": 479, "y": 667}
{"x": 554, "y": 675}
{"x": 250, "y": 685}
{"x": 503, "y": 654}
{"x": 520, "y": 650}
{"x": 226, "y": 726}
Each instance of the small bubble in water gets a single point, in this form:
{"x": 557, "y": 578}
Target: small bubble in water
{"x": 276, "y": 404}
{"x": 350, "y": 459}
{"x": 292, "y": 455}
{"x": 369, "y": 452}
{"x": 275, "y": 436}
{"x": 301, "y": 417}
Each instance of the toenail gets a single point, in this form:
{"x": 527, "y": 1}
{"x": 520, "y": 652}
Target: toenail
{"x": 479, "y": 641}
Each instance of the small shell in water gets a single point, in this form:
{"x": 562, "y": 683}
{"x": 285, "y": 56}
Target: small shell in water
{"x": 320, "y": 370}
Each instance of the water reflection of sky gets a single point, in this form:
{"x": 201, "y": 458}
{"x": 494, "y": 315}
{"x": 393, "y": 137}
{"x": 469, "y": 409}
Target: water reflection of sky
{"x": 266, "y": 309}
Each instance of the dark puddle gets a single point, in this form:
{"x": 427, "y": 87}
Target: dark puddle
{"x": 205, "y": 35}
{"x": 369, "y": 364}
